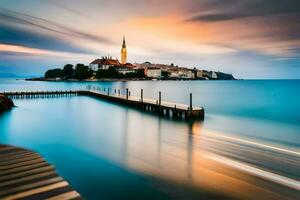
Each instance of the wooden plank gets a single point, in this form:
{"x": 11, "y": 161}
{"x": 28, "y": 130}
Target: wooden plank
{"x": 48, "y": 194}
{"x": 15, "y": 155}
{"x": 36, "y": 191}
{"x": 21, "y": 164}
{"x": 26, "y": 178}
{"x": 26, "y": 173}
{"x": 23, "y": 168}
{"x": 5, "y": 148}
{"x": 29, "y": 186}
{"x": 26, "y": 157}
{"x": 12, "y": 153}
{"x": 65, "y": 196}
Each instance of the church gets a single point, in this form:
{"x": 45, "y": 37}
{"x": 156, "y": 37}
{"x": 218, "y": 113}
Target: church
{"x": 124, "y": 52}
{"x": 106, "y": 62}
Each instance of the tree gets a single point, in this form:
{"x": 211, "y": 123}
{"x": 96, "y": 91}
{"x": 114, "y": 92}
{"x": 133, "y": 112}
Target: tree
{"x": 165, "y": 74}
{"x": 82, "y": 72}
{"x": 54, "y": 73}
{"x": 68, "y": 71}
{"x": 110, "y": 73}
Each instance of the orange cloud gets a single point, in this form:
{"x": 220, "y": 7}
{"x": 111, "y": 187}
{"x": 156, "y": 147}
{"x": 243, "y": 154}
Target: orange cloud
{"x": 36, "y": 52}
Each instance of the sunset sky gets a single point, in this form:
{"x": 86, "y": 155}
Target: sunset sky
{"x": 248, "y": 38}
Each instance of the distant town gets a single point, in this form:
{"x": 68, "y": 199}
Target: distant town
{"x": 109, "y": 68}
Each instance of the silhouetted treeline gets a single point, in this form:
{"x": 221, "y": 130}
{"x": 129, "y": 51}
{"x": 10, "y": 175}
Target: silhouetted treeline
{"x": 68, "y": 72}
{"x": 83, "y": 72}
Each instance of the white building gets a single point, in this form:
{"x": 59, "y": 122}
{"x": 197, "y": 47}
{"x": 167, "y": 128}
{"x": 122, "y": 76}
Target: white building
{"x": 190, "y": 74}
{"x": 153, "y": 72}
{"x": 125, "y": 70}
{"x": 186, "y": 73}
{"x": 214, "y": 75}
{"x": 95, "y": 64}
{"x": 174, "y": 74}
{"x": 104, "y": 64}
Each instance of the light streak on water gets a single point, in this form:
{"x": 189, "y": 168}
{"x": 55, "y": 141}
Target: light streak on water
{"x": 256, "y": 171}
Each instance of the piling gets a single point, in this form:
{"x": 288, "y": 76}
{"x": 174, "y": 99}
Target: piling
{"x": 142, "y": 95}
{"x": 191, "y": 101}
{"x": 156, "y": 106}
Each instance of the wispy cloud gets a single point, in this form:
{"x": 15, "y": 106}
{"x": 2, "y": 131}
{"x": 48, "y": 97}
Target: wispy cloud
{"x": 15, "y": 50}
{"x": 33, "y": 32}
{"x": 31, "y": 39}
{"x": 220, "y": 10}
{"x": 269, "y": 27}
{"x": 15, "y": 18}
{"x": 191, "y": 32}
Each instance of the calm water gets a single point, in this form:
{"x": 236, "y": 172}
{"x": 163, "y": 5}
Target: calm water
{"x": 112, "y": 152}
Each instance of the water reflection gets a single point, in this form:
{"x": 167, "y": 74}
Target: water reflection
{"x": 174, "y": 151}
{"x": 183, "y": 152}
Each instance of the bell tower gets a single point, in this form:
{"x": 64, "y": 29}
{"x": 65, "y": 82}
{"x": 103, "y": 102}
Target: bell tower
{"x": 124, "y": 52}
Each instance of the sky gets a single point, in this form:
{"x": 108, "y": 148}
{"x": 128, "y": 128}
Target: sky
{"x": 252, "y": 39}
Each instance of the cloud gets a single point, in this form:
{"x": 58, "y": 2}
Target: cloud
{"x": 270, "y": 27}
{"x": 196, "y": 32}
{"x": 15, "y": 50}
{"x": 222, "y": 10}
{"x": 16, "y": 18}
{"x": 28, "y": 31}
{"x": 28, "y": 38}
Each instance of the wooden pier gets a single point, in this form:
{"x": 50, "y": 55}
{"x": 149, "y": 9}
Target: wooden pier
{"x": 26, "y": 175}
{"x": 168, "y": 109}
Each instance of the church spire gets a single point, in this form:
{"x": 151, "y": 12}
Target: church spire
{"x": 124, "y": 42}
{"x": 124, "y": 52}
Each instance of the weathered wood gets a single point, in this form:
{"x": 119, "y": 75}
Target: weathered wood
{"x": 156, "y": 106}
{"x": 142, "y": 95}
{"x": 30, "y": 177}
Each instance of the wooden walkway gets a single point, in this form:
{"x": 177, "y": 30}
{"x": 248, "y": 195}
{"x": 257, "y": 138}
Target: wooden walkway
{"x": 169, "y": 109}
{"x": 26, "y": 175}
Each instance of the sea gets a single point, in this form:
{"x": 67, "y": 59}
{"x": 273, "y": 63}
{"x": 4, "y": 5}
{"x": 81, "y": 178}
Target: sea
{"x": 247, "y": 147}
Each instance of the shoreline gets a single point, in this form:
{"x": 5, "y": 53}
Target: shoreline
{"x": 118, "y": 80}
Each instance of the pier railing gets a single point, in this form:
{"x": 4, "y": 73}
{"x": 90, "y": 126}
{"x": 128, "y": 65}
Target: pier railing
{"x": 166, "y": 108}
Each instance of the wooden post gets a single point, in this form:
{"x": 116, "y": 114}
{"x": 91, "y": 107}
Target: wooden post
{"x": 191, "y": 101}
{"x": 159, "y": 98}
{"x": 127, "y": 93}
{"x": 142, "y": 95}
{"x": 175, "y": 112}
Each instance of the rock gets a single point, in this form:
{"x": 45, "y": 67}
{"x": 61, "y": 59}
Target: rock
{"x": 5, "y": 103}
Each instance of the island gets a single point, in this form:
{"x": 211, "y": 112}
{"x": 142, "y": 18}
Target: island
{"x": 108, "y": 68}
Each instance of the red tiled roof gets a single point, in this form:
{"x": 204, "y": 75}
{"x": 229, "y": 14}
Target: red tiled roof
{"x": 128, "y": 65}
{"x": 110, "y": 62}
{"x": 106, "y": 61}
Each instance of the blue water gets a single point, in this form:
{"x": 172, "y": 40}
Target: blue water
{"x": 112, "y": 152}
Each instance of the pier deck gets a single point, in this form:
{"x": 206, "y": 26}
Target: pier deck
{"x": 169, "y": 109}
{"x": 25, "y": 175}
